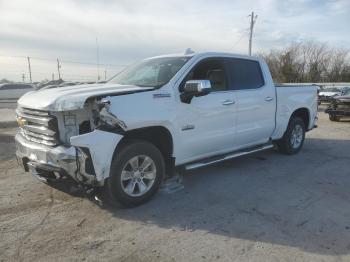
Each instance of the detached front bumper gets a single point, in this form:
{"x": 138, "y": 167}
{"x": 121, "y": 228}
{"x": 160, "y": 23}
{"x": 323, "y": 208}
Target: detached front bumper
{"x": 338, "y": 112}
{"x": 87, "y": 161}
{"x": 47, "y": 162}
{"x": 325, "y": 99}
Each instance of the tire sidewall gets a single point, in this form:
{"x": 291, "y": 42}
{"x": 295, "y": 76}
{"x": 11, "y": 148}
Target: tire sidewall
{"x": 121, "y": 157}
{"x": 294, "y": 121}
{"x": 334, "y": 118}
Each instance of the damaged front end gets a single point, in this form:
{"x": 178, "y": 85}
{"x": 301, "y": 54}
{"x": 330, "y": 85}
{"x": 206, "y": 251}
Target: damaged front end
{"x": 77, "y": 144}
{"x": 339, "y": 107}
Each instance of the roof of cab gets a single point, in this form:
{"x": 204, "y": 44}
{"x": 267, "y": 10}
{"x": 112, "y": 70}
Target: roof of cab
{"x": 204, "y": 54}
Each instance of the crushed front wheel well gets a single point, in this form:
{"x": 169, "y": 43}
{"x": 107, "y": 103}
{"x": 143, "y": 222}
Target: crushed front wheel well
{"x": 158, "y": 136}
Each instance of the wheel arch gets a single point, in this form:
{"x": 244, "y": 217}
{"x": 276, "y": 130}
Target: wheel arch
{"x": 304, "y": 114}
{"x": 159, "y": 136}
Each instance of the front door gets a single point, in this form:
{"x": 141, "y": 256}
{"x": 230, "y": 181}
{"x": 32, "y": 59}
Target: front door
{"x": 207, "y": 124}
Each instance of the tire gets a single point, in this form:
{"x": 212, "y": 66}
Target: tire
{"x": 292, "y": 142}
{"x": 334, "y": 118}
{"x": 129, "y": 187}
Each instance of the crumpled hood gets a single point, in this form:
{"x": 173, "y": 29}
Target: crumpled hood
{"x": 72, "y": 97}
{"x": 326, "y": 93}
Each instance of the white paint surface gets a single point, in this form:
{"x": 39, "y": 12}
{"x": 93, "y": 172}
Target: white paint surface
{"x": 101, "y": 145}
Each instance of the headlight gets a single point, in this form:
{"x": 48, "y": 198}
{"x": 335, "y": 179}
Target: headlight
{"x": 70, "y": 128}
{"x": 69, "y": 120}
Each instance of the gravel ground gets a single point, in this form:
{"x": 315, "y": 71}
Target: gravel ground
{"x": 262, "y": 207}
{"x": 7, "y": 117}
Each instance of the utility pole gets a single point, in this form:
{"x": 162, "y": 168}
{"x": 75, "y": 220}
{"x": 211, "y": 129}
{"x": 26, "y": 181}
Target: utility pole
{"x": 23, "y": 77}
{"x": 252, "y": 23}
{"x": 105, "y": 74}
{"x": 30, "y": 70}
{"x": 58, "y": 69}
{"x": 98, "y": 60}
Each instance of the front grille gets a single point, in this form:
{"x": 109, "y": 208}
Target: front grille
{"x": 345, "y": 102}
{"x": 344, "y": 106}
{"x": 38, "y": 126}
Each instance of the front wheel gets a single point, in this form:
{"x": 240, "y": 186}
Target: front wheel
{"x": 136, "y": 173}
{"x": 293, "y": 139}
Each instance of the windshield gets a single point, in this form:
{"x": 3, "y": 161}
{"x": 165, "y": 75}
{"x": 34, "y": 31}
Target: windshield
{"x": 346, "y": 92}
{"x": 154, "y": 72}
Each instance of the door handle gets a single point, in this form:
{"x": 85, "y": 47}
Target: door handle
{"x": 228, "y": 102}
{"x": 268, "y": 99}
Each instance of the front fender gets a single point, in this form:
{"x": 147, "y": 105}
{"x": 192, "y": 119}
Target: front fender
{"x": 101, "y": 145}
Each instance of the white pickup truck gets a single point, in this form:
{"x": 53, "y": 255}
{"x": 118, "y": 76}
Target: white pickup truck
{"x": 159, "y": 115}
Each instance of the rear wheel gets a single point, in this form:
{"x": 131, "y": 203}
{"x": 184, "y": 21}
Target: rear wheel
{"x": 136, "y": 173}
{"x": 334, "y": 118}
{"x": 293, "y": 139}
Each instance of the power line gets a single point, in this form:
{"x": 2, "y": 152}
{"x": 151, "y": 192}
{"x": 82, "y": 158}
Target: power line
{"x": 237, "y": 42}
{"x": 64, "y": 61}
{"x": 28, "y": 61}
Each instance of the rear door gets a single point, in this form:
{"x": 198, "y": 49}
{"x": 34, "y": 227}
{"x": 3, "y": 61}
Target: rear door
{"x": 207, "y": 123}
{"x": 255, "y": 100}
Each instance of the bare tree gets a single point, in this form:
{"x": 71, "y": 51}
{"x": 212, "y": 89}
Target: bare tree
{"x": 309, "y": 61}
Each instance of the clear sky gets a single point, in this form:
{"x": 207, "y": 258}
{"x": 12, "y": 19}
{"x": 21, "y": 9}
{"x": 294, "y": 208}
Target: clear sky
{"x": 128, "y": 30}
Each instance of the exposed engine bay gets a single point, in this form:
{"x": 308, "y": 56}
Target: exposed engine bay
{"x": 80, "y": 142}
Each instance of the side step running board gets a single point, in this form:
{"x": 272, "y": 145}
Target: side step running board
{"x": 214, "y": 160}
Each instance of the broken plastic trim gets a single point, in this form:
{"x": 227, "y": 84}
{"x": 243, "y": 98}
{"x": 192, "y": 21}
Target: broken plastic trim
{"x": 80, "y": 173}
{"x": 101, "y": 146}
{"x": 107, "y": 119}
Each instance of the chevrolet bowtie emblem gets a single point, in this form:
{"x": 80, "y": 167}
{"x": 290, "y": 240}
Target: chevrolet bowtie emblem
{"x": 21, "y": 121}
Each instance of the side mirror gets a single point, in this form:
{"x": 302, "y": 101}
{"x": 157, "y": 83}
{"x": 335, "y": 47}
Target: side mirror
{"x": 197, "y": 87}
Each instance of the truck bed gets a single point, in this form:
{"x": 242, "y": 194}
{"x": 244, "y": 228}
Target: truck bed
{"x": 291, "y": 97}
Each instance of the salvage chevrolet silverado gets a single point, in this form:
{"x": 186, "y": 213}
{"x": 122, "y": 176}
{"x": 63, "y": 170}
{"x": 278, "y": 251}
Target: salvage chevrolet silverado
{"x": 159, "y": 115}
{"x": 339, "y": 106}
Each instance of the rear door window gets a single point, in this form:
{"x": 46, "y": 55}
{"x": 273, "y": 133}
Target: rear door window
{"x": 244, "y": 74}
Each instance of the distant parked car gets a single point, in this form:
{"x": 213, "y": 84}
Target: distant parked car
{"x": 325, "y": 95}
{"x": 64, "y": 84}
{"x": 339, "y": 106}
{"x": 49, "y": 83}
{"x": 345, "y": 90}
{"x": 13, "y": 91}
